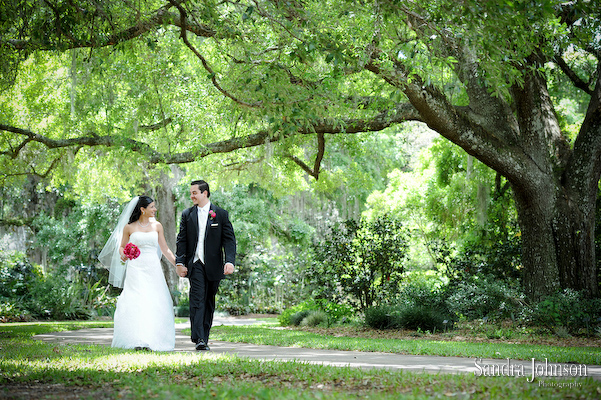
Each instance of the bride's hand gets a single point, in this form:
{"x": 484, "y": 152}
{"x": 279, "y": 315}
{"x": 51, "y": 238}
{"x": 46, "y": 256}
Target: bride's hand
{"x": 181, "y": 270}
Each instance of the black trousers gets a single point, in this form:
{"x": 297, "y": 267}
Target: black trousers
{"x": 202, "y": 302}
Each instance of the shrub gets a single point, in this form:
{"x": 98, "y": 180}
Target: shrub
{"x": 298, "y": 317}
{"x": 569, "y": 309}
{"x": 335, "y": 311}
{"x": 361, "y": 262}
{"x": 17, "y": 275}
{"x": 427, "y": 289}
{"x": 10, "y": 312}
{"x": 285, "y": 317}
{"x": 382, "y": 317}
{"x": 27, "y": 293}
{"x": 486, "y": 297}
{"x": 422, "y": 318}
{"x": 315, "y": 318}
{"x": 182, "y": 309}
{"x": 411, "y": 316}
{"x": 56, "y": 298}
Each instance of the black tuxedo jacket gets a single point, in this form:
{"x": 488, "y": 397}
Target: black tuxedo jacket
{"x": 219, "y": 242}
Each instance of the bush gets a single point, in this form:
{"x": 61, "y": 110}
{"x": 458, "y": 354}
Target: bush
{"x": 26, "y": 293}
{"x": 335, "y": 311}
{"x": 56, "y": 298}
{"x": 17, "y": 275}
{"x": 182, "y": 308}
{"x": 285, "y": 317}
{"x": 360, "y": 262}
{"x": 568, "y": 309}
{"x": 298, "y": 317}
{"x": 10, "y": 312}
{"x": 414, "y": 317}
{"x": 315, "y": 318}
{"x": 486, "y": 297}
{"x": 422, "y": 318}
{"x": 382, "y": 317}
{"x": 424, "y": 288}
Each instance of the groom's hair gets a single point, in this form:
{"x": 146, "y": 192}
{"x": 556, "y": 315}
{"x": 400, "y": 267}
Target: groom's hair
{"x": 202, "y": 186}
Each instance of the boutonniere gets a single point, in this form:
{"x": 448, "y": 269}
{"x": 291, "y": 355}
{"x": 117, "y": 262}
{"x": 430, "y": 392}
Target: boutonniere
{"x": 212, "y": 214}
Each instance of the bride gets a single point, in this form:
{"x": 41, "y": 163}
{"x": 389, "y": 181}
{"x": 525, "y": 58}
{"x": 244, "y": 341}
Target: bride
{"x": 144, "y": 316}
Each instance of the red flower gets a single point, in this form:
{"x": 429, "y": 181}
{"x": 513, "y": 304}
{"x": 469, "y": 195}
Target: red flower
{"x": 212, "y": 214}
{"x": 131, "y": 251}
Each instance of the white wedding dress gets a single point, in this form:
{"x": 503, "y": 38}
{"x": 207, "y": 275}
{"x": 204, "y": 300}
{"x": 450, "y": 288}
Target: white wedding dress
{"x": 144, "y": 315}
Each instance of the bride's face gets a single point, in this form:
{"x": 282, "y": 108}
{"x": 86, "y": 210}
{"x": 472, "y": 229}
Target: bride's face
{"x": 149, "y": 211}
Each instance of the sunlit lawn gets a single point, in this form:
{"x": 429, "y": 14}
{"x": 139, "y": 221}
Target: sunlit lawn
{"x": 298, "y": 338}
{"x": 34, "y": 369}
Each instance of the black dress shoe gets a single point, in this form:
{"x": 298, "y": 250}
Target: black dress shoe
{"x": 201, "y": 345}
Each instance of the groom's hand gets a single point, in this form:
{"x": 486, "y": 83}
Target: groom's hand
{"x": 228, "y": 269}
{"x": 181, "y": 270}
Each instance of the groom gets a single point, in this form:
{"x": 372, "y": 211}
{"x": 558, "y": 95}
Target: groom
{"x": 206, "y": 249}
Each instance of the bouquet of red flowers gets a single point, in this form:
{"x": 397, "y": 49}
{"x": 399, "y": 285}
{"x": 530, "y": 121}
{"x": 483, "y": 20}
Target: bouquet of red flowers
{"x": 131, "y": 251}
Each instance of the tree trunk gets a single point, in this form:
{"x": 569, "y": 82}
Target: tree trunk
{"x": 167, "y": 216}
{"x": 540, "y": 272}
{"x": 574, "y": 234}
{"x": 557, "y": 241}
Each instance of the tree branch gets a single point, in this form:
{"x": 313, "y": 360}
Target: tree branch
{"x": 579, "y": 83}
{"x": 162, "y": 16}
{"x": 321, "y": 146}
{"x": 16, "y": 222}
{"x": 383, "y": 120}
{"x": 205, "y": 64}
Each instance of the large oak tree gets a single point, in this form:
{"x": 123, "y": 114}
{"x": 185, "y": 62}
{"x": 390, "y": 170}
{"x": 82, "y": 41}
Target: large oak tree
{"x": 298, "y": 71}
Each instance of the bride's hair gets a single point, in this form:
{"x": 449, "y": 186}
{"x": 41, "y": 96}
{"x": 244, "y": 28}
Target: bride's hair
{"x": 143, "y": 201}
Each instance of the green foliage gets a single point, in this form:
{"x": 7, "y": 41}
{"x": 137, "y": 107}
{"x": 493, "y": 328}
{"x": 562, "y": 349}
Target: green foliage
{"x": 27, "y": 293}
{"x": 423, "y": 289}
{"x": 56, "y": 298}
{"x": 407, "y": 316}
{"x": 307, "y": 306}
{"x": 17, "y": 275}
{"x": 458, "y": 210}
{"x": 422, "y": 318}
{"x": 10, "y": 311}
{"x": 315, "y": 318}
{"x": 485, "y": 296}
{"x": 382, "y": 317}
{"x": 419, "y": 305}
{"x": 336, "y": 312}
{"x": 183, "y": 305}
{"x": 270, "y": 241}
{"x": 569, "y": 309}
{"x": 359, "y": 262}
{"x": 482, "y": 256}
{"x": 75, "y": 234}
{"x": 298, "y": 317}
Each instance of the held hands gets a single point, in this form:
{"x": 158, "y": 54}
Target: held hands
{"x": 181, "y": 270}
{"x": 228, "y": 269}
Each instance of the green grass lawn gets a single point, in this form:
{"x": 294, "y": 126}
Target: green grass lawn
{"x": 31, "y": 369}
{"x": 298, "y": 338}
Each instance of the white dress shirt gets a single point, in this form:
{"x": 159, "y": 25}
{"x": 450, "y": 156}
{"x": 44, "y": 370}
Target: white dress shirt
{"x": 203, "y": 214}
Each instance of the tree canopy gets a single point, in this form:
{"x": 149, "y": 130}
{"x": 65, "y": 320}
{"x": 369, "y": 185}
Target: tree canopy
{"x": 178, "y": 81}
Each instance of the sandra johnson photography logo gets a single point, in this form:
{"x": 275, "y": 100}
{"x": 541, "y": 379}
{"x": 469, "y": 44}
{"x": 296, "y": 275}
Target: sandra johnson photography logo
{"x": 536, "y": 369}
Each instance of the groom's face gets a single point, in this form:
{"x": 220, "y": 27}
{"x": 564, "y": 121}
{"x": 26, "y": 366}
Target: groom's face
{"x": 198, "y": 198}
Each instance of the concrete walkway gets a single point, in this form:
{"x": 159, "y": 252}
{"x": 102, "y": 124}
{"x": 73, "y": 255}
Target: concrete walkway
{"x": 357, "y": 359}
